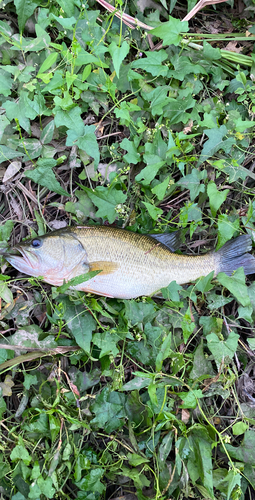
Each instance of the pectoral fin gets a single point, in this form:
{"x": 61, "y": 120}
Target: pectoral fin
{"x": 103, "y": 266}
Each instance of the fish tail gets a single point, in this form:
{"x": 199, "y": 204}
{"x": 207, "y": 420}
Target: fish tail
{"x": 234, "y": 254}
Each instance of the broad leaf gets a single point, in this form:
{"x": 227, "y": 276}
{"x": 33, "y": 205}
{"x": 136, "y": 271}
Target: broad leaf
{"x": 44, "y": 175}
{"x": 118, "y": 54}
{"x": 171, "y": 31}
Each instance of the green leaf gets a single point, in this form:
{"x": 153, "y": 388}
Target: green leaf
{"x": 171, "y": 31}
{"x": 106, "y": 200}
{"x": 44, "y": 176}
{"x": 24, "y": 9}
{"x": 192, "y": 182}
{"x": 222, "y": 350}
{"x": 148, "y": 173}
{"x": 67, "y": 6}
{"x": 175, "y": 109}
{"x": 160, "y": 189}
{"x": 80, "y": 323}
{"x": 154, "y": 211}
{"x": 135, "y": 460}
{"x": 239, "y": 428}
{"x": 152, "y": 63}
{"x": 251, "y": 343}
{"x": 226, "y": 229}
{"x": 216, "y": 198}
{"x": 5, "y": 83}
{"x": 70, "y": 119}
{"x": 190, "y": 398}
{"x": 245, "y": 452}
{"x": 19, "y": 452}
{"x": 67, "y": 23}
{"x": 164, "y": 352}
{"x": 215, "y": 143}
{"x": 107, "y": 342}
{"x": 183, "y": 66}
{"x": 46, "y": 486}
{"x": 158, "y": 98}
{"x": 5, "y": 293}
{"x": 29, "y": 380}
{"x": 236, "y": 285}
{"x": 47, "y": 132}
{"x": 77, "y": 281}
{"x": 118, "y": 54}
{"x": 202, "y": 456}
{"x": 85, "y": 140}
{"x": 201, "y": 365}
{"x": 203, "y": 284}
{"x": 172, "y": 291}
{"x": 132, "y": 156}
{"x": 49, "y": 61}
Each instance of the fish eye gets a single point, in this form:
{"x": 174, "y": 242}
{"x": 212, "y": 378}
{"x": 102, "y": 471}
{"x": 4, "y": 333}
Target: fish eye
{"x": 36, "y": 243}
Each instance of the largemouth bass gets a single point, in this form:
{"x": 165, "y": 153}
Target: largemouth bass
{"x": 131, "y": 264}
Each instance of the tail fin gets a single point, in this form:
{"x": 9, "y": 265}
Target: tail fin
{"x": 234, "y": 254}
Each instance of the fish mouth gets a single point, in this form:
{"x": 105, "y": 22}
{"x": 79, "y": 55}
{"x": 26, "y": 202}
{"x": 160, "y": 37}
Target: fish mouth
{"x": 23, "y": 260}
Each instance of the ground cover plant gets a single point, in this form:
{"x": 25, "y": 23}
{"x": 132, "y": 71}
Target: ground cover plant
{"x": 154, "y": 397}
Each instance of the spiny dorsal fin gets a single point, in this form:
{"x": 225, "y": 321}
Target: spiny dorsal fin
{"x": 171, "y": 240}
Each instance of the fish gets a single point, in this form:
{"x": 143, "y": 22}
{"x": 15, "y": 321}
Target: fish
{"x": 130, "y": 264}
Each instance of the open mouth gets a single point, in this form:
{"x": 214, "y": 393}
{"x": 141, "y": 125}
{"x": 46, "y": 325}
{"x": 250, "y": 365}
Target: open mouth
{"x": 22, "y": 259}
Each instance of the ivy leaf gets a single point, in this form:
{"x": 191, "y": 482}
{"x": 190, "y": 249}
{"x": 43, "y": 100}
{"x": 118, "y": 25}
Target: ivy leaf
{"x": 86, "y": 140}
{"x": 21, "y": 111}
{"x": 226, "y": 229}
{"x": 20, "y": 453}
{"x": 183, "y": 66}
{"x": 132, "y": 156}
{"x": 69, "y": 118}
{"x": 171, "y": 31}
{"x": 44, "y": 176}
{"x": 148, "y": 173}
{"x": 192, "y": 182}
{"x": 175, "y": 109}
{"x": 160, "y": 189}
{"x": 157, "y": 99}
{"x": 107, "y": 343}
{"x": 152, "y": 63}
{"x": 154, "y": 211}
{"x": 216, "y": 198}
{"x": 79, "y": 322}
{"x": 106, "y": 200}
{"x": 118, "y": 55}
{"x": 222, "y": 349}
{"x": 215, "y": 143}
{"x": 236, "y": 285}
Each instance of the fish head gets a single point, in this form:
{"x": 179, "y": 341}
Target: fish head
{"x": 53, "y": 256}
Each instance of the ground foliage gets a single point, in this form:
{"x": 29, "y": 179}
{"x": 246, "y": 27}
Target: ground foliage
{"x": 145, "y": 398}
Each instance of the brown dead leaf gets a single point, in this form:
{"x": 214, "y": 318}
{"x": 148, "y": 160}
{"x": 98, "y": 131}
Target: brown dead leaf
{"x": 231, "y": 46}
{"x": 188, "y": 128}
{"x": 185, "y": 415}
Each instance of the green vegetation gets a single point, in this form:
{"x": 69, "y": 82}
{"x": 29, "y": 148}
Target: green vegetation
{"x": 105, "y": 397}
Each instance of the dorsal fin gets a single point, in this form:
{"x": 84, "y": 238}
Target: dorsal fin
{"x": 171, "y": 240}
